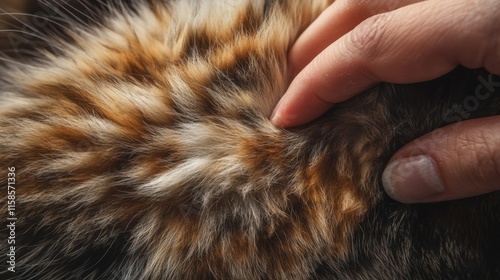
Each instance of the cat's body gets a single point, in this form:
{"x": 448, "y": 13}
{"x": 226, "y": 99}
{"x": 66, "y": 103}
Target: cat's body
{"x": 142, "y": 150}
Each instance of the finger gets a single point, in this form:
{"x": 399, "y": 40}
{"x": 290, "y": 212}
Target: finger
{"x": 460, "y": 160}
{"x": 338, "y": 19}
{"x": 411, "y": 44}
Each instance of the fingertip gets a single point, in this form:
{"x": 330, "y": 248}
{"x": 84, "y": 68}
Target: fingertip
{"x": 298, "y": 107}
{"x": 276, "y": 119}
{"x": 453, "y": 162}
{"x": 283, "y": 119}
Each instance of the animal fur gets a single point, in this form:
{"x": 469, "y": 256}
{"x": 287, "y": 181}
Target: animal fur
{"x": 143, "y": 149}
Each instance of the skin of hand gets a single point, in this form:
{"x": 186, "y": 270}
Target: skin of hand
{"x": 356, "y": 44}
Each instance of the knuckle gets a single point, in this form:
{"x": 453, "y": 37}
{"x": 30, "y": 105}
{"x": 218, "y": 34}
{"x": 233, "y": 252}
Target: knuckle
{"x": 483, "y": 148}
{"x": 494, "y": 159}
{"x": 480, "y": 47}
{"x": 491, "y": 38}
{"x": 366, "y": 39}
{"x": 479, "y": 37}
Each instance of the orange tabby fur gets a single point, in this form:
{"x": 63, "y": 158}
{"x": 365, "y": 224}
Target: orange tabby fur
{"x": 143, "y": 149}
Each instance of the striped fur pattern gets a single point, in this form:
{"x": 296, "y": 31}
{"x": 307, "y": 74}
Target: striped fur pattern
{"x": 143, "y": 150}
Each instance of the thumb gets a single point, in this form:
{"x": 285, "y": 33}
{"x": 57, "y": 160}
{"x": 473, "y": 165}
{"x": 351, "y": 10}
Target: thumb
{"x": 456, "y": 161}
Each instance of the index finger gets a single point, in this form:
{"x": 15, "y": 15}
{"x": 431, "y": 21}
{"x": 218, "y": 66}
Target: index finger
{"x": 337, "y": 20}
{"x": 411, "y": 44}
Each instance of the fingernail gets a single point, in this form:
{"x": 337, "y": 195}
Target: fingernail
{"x": 411, "y": 180}
{"x": 275, "y": 119}
{"x": 278, "y": 119}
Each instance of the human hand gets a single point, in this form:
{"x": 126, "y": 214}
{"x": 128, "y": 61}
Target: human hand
{"x": 355, "y": 44}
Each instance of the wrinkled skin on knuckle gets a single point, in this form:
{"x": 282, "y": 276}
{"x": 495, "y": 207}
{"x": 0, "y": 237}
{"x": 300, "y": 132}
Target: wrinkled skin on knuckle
{"x": 482, "y": 149}
{"x": 491, "y": 57}
{"x": 366, "y": 39}
{"x": 494, "y": 156}
{"x": 479, "y": 44}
